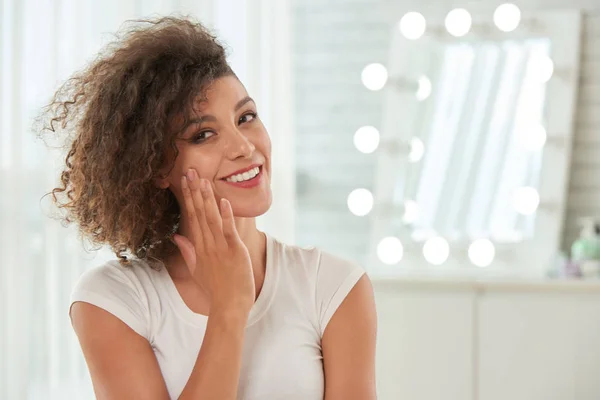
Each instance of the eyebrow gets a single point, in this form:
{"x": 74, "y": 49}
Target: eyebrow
{"x": 207, "y": 117}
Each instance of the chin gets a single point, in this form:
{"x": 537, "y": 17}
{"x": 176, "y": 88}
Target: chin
{"x": 250, "y": 208}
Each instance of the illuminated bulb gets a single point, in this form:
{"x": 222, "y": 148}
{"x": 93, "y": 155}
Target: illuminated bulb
{"x": 458, "y": 22}
{"x": 366, "y": 139}
{"x": 417, "y": 149}
{"x": 374, "y": 76}
{"x": 424, "y": 90}
{"x": 436, "y": 250}
{"x": 360, "y": 202}
{"x": 533, "y": 138}
{"x": 526, "y": 200}
{"x": 507, "y": 17}
{"x": 390, "y": 250}
{"x": 482, "y": 252}
{"x": 412, "y": 25}
{"x": 541, "y": 69}
{"x": 411, "y": 211}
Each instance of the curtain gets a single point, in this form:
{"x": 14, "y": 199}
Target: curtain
{"x": 42, "y": 42}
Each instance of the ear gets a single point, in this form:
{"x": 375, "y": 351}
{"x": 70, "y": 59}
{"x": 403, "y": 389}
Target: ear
{"x": 162, "y": 182}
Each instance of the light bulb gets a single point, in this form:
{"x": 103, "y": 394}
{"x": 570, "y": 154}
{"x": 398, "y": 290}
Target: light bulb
{"x": 374, "y": 76}
{"x": 436, "y": 250}
{"x": 482, "y": 252}
{"x": 526, "y": 200}
{"x": 540, "y": 69}
{"x": 507, "y": 17}
{"x": 360, "y": 202}
{"x": 532, "y": 137}
{"x": 417, "y": 149}
{"x": 412, "y": 25}
{"x": 424, "y": 90}
{"x": 390, "y": 250}
{"x": 366, "y": 139}
{"x": 458, "y": 22}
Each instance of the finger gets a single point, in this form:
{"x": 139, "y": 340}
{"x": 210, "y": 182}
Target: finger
{"x": 229, "y": 230}
{"x": 187, "y": 251}
{"x": 191, "y": 216}
{"x": 211, "y": 210}
{"x": 200, "y": 207}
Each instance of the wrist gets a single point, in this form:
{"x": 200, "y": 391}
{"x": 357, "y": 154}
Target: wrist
{"x": 232, "y": 305}
{"x": 230, "y": 315}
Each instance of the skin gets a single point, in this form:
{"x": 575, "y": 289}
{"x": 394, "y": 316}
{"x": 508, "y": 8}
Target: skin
{"x": 222, "y": 233}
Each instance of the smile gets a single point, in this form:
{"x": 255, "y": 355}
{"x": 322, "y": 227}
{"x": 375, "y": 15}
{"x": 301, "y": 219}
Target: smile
{"x": 246, "y": 176}
{"x": 246, "y": 179}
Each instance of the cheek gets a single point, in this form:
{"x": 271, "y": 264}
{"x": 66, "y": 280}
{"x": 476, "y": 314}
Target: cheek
{"x": 267, "y": 151}
{"x": 205, "y": 163}
{"x": 263, "y": 143}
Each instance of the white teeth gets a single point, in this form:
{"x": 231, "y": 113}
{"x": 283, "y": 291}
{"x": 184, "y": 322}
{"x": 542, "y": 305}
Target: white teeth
{"x": 244, "y": 176}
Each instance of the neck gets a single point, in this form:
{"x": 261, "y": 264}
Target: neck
{"x": 250, "y": 235}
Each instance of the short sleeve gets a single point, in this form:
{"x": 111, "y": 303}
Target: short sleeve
{"x": 113, "y": 289}
{"x": 335, "y": 279}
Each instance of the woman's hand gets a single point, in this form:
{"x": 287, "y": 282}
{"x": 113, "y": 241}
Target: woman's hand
{"x": 214, "y": 253}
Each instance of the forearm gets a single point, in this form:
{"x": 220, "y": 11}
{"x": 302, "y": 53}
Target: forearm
{"x": 217, "y": 369}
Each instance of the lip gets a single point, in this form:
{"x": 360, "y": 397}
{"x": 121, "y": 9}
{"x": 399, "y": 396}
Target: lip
{"x": 248, "y": 184}
{"x": 241, "y": 171}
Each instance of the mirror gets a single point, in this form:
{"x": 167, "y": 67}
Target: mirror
{"x": 474, "y": 160}
{"x": 467, "y": 140}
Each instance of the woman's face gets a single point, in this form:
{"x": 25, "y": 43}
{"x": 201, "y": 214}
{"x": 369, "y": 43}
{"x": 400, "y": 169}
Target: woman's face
{"x": 226, "y": 145}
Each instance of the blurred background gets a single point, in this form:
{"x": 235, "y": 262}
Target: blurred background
{"x": 450, "y": 147}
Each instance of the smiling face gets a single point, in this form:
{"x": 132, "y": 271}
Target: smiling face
{"x": 226, "y": 144}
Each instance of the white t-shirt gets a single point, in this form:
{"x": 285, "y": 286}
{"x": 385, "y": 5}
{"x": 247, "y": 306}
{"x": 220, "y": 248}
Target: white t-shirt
{"x": 282, "y": 356}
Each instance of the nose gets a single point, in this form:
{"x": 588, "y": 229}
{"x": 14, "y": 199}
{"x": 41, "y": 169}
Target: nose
{"x": 237, "y": 145}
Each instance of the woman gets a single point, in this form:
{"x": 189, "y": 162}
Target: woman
{"x": 169, "y": 164}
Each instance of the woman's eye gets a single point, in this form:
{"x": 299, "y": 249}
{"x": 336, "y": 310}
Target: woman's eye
{"x": 248, "y": 117}
{"x": 202, "y": 136}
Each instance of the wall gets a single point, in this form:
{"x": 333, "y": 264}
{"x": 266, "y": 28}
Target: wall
{"x": 333, "y": 41}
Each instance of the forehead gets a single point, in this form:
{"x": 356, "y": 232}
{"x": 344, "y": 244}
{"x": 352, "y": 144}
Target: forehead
{"x": 223, "y": 93}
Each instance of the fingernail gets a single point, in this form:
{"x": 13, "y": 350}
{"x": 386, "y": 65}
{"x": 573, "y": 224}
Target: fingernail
{"x": 190, "y": 175}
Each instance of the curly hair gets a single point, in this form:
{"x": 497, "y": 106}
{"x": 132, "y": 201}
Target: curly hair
{"x": 117, "y": 117}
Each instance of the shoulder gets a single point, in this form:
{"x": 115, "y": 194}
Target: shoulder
{"x": 101, "y": 275}
{"x": 330, "y": 277}
{"x": 314, "y": 260}
{"x": 126, "y": 291}
{"x": 117, "y": 280}
{"x": 294, "y": 255}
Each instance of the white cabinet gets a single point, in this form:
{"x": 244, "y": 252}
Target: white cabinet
{"x": 587, "y": 348}
{"x": 541, "y": 345}
{"x": 424, "y": 345}
{"x": 488, "y": 341}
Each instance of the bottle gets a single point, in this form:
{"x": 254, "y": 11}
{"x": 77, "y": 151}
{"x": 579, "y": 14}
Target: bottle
{"x": 585, "y": 251}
